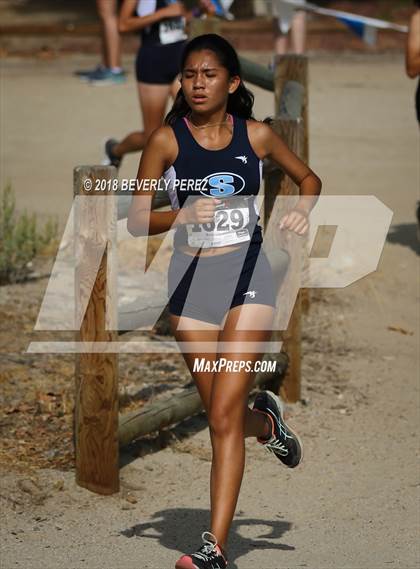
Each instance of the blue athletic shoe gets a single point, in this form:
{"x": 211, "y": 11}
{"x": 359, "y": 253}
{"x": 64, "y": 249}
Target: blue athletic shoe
{"x": 283, "y": 442}
{"x": 106, "y": 76}
{"x": 84, "y": 74}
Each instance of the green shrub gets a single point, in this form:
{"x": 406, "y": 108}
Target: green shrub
{"x": 20, "y": 242}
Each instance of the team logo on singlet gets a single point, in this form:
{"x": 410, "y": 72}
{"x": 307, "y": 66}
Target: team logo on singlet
{"x": 244, "y": 159}
{"x": 251, "y": 293}
{"x": 222, "y": 184}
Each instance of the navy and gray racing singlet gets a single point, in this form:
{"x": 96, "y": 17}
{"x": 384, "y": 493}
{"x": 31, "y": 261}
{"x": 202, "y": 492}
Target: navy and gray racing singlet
{"x": 232, "y": 174}
{"x": 167, "y": 31}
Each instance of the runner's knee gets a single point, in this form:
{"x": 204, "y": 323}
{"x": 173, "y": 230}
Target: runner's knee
{"x": 225, "y": 418}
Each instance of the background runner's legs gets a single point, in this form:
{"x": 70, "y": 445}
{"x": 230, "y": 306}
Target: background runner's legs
{"x": 153, "y": 101}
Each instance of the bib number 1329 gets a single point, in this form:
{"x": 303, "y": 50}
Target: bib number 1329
{"x": 225, "y": 220}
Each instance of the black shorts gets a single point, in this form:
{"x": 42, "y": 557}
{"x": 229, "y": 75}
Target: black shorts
{"x": 242, "y": 276}
{"x": 159, "y": 64}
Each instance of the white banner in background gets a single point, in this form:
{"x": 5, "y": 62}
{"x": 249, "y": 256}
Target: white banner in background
{"x": 366, "y": 28}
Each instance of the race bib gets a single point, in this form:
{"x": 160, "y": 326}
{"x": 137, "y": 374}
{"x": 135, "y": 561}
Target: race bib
{"x": 171, "y": 31}
{"x": 230, "y": 225}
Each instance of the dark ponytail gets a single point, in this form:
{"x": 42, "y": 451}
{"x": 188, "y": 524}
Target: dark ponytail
{"x": 240, "y": 102}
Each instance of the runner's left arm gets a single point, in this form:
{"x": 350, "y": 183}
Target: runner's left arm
{"x": 272, "y": 146}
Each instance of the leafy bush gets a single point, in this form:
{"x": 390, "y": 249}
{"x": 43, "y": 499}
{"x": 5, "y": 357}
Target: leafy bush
{"x": 20, "y": 242}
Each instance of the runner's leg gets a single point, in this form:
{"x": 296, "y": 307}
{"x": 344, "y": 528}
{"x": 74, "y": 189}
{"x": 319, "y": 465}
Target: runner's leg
{"x": 227, "y": 416}
{"x": 153, "y": 101}
{"x": 203, "y": 380}
{"x": 255, "y": 423}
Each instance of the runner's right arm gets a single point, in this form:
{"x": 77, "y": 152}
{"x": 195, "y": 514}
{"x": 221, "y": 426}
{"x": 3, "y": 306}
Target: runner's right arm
{"x": 159, "y": 154}
{"x": 128, "y": 22}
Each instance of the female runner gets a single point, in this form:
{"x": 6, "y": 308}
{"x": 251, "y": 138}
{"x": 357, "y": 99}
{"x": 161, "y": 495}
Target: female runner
{"x": 210, "y": 134}
{"x": 162, "y": 28}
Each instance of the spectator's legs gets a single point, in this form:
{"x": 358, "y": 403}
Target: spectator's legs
{"x": 111, "y": 42}
{"x": 280, "y": 40}
{"x": 298, "y": 32}
{"x": 280, "y": 44}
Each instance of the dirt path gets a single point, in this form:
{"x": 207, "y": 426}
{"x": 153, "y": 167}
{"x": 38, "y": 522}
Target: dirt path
{"x": 352, "y": 503}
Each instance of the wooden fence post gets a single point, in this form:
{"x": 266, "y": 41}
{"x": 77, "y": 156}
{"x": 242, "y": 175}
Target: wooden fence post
{"x": 276, "y": 183}
{"x": 294, "y": 68}
{"x": 291, "y": 107}
{"x": 96, "y": 406}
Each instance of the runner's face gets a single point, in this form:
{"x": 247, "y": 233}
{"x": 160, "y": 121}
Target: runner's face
{"x": 206, "y": 83}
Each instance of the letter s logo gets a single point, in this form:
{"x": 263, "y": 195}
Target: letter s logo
{"x": 223, "y": 184}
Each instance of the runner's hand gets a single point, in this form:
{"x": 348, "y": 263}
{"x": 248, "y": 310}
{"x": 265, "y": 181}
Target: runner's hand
{"x": 201, "y": 210}
{"x": 296, "y": 220}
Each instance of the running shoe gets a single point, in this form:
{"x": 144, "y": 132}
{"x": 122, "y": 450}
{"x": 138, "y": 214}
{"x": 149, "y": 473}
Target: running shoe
{"x": 106, "y": 76}
{"x": 209, "y": 556}
{"x": 110, "y": 158}
{"x": 283, "y": 442}
{"x": 84, "y": 74}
